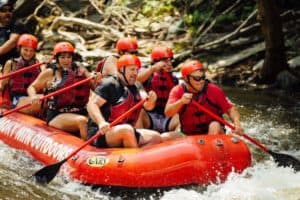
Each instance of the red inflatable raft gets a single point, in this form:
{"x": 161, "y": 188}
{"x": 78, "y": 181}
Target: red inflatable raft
{"x": 199, "y": 159}
{"x": 191, "y": 160}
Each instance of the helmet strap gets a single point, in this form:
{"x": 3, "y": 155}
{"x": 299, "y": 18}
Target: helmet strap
{"x": 123, "y": 74}
{"x": 190, "y": 84}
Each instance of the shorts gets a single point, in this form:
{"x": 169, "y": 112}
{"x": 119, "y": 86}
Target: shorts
{"x": 158, "y": 122}
{"x": 202, "y": 129}
{"x": 52, "y": 113}
{"x": 16, "y": 99}
{"x": 100, "y": 142}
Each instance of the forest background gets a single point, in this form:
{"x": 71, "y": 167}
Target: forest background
{"x": 244, "y": 43}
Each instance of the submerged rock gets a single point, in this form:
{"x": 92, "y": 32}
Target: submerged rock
{"x": 287, "y": 81}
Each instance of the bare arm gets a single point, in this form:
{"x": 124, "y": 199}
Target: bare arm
{"x": 40, "y": 82}
{"x": 9, "y": 44}
{"x": 86, "y": 72}
{"x": 145, "y": 74}
{"x": 95, "y": 81}
{"x": 110, "y": 66}
{"x": 235, "y": 118}
{"x": 93, "y": 108}
{"x": 151, "y": 101}
{"x": 6, "y": 70}
{"x": 173, "y": 108}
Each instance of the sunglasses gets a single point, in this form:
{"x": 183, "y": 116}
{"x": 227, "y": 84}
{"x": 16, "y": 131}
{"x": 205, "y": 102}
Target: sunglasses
{"x": 164, "y": 59}
{"x": 135, "y": 52}
{"x": 198, "y": 78}
{"x": 6, "y": 9}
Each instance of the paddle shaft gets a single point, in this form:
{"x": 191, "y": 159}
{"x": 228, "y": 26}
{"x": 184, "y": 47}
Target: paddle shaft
{"x": 46, "y": 174}
{"x": 221, "y": 120}
{"x": 113, "y": 123}
{"x": 49, "y": 95}
{"x": 20, "y": 70}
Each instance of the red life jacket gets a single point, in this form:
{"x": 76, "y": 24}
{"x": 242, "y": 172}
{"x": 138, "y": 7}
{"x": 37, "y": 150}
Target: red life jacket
{"x": 161, "y": 83}
{"x": 194, "y": 121}
{"x": 100, "y": 65}
{"x": 127, "y": 101}
{"x": 19, "y": 83}
{"x": 76, "y": 97}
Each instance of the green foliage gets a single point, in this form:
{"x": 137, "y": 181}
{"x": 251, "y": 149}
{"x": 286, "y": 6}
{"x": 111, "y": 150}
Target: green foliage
{"x": 196, "y": 17}
{"x": 226, "y": 19}
{"x": 240, "y": 14}
{"x": 157, "y": 8}
{"x": 246, "y": 10}
{"x": 180, "y": 46}
{"x": 208, "y": 11}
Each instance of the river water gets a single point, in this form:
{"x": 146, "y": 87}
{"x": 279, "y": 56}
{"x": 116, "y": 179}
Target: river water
{"x": 274, "y": 119}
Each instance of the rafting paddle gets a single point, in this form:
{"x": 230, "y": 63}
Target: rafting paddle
{"x": 281, "y": 159}
{"x": 21, "y": 70}
{"x": 47, "y": 96}
{"x": 46, "y": 174}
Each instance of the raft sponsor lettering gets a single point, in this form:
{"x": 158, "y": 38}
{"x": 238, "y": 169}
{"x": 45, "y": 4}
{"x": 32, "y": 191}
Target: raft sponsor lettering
{"x": 97, "y": 161}
{"x": 32, "y": 138}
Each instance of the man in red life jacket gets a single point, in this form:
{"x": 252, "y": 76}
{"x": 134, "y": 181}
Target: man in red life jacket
{"x": 17, "y": 85}
{"x": 160, "y": 79}
{"x": 114, "y": 96}
{"x": 197, "y": 88}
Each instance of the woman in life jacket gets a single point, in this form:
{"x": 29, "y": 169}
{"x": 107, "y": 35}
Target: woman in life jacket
{"x": 114, "y": 96}
{"x": 159, "y": 78}
{"x": 16, "y": 85}
{"x": 195, "y": 87}
{"x": 66, "y": 111}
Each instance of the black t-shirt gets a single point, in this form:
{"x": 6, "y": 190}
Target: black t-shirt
{"x": 112, "y": 90}
{"x": 5, "y": 32}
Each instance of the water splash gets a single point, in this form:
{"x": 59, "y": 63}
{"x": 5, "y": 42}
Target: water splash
{"x": 264, "y": 181}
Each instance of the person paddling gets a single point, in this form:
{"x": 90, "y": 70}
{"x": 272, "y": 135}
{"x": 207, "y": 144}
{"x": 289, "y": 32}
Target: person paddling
{"x": 159, "y": 78}
{"x": 114, "y": 96}
{"x": 197, "y": 90}
{"x": 10, "y": 31}
{"x": 66, "y": 111}
{"x": 16, "y": 85}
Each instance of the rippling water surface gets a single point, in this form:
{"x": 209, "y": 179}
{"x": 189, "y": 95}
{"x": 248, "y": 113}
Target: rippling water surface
{"x": 274, "y": 119}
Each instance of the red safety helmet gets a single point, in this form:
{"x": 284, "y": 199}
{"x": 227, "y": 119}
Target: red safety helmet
{"x": 27, "y": 40}
{"x": 161, "y": 52}
{"x": 191, "y": 66}
{"x": 127, "y": 44}
{"x": 63, "y": 47}
{"x": 127, "y": 60}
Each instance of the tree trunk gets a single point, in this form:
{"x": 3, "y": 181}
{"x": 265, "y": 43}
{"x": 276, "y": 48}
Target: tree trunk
{"x": 271, "y": 25}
